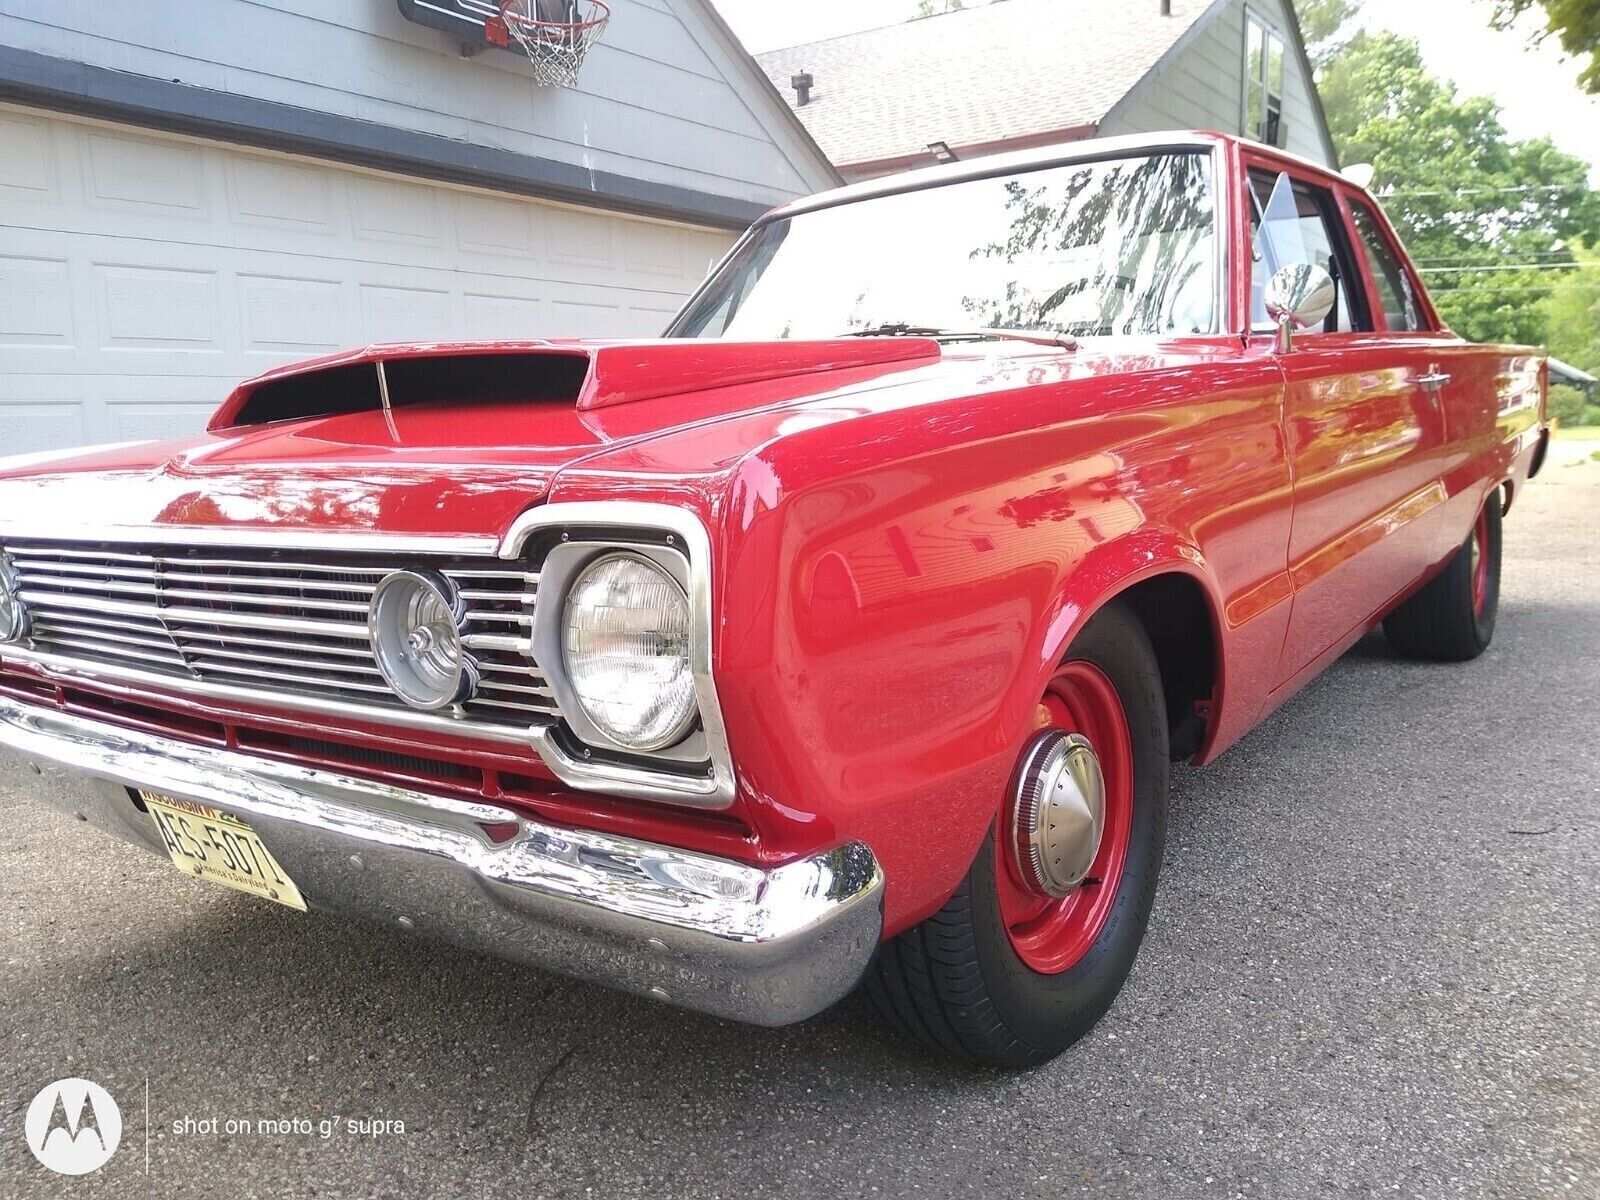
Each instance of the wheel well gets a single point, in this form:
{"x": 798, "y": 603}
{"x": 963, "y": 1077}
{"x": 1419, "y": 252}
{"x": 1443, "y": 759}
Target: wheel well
{"x": 1177, "y": 618}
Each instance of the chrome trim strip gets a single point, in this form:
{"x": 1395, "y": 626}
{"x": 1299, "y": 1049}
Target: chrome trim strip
{"x": 769, "y": 946}
{"x": 289, "y": 703}
{"x": 715, "y": 790}
{"x": 286, "y": 538}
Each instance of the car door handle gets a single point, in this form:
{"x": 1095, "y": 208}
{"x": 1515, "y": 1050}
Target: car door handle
{"x": 1433, "y": 379}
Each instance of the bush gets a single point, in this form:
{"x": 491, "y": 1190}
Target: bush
{"x": 1566, "y": 405}
{"x": 1591, "y": 415}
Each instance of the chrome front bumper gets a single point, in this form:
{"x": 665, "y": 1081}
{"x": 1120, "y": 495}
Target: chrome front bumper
{"x": 769, "y": 947}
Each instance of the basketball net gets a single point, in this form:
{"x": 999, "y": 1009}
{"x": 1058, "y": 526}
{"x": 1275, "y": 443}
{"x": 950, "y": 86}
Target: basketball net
{"x": 555, "y": 34}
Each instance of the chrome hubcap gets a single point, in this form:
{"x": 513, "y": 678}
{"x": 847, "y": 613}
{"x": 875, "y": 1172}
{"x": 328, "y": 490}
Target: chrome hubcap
{"x": 1058, "y": 812}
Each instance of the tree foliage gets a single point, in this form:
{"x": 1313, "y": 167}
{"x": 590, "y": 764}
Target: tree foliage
{"x": 1490, "y": 220}
{"x": 1575, "y": 24}
{"x": 1321, "y": 23}
{"x": 1566, "y": 404}
{"x": 1572, "y": 315}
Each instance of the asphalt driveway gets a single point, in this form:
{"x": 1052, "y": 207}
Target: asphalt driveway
{"x": 1374, "y": 966}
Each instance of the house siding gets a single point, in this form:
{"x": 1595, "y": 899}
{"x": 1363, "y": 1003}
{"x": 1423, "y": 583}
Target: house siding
{"x": 663, "y": 97}
{"x": 1201, "y": 86}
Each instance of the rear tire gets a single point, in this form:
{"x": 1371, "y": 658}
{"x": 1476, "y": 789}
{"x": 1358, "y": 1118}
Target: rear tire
{"x": 959, "y": 982}
{"x": 1452, "y": 619}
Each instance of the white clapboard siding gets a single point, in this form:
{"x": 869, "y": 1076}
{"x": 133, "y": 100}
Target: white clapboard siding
{"x": 665, "y": 95}
{"x": 142, "y": 275}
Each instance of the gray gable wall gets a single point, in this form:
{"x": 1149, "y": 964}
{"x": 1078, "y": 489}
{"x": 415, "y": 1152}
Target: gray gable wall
{"x": 1200, "y": 84}
{"x": 667, "y": 97}
{"x": 1011, "y": 72}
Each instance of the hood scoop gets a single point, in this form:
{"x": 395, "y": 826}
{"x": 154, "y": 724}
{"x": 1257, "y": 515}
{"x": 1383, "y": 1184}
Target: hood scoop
{"x": 587, "y": 375}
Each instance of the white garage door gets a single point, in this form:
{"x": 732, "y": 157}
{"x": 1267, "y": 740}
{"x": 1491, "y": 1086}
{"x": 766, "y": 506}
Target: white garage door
{"x": 141, "y": 276}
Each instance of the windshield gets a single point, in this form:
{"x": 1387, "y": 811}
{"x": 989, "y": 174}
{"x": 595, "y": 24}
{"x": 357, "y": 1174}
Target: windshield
{"x": 1124, "y": 246}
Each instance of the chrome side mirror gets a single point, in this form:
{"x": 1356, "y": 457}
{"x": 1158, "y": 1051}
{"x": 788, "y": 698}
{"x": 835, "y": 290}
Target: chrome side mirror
{"x": 1299, "y": 297}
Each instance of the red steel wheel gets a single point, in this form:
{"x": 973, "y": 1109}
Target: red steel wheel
{"x": 1032, "y": 947}
{"x": 1051, "y": 933}
{"x": 1480, "y": 560}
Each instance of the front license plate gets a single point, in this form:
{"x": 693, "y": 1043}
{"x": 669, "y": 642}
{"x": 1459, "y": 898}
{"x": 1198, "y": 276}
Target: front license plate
{"x": 220, "y": 847}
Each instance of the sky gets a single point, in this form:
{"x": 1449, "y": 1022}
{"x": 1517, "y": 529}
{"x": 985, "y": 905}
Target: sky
{"x": 1536, "y": 88}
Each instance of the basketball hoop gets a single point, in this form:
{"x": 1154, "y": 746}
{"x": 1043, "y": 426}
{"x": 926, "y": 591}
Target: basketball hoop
{"x": 555, "y": 34}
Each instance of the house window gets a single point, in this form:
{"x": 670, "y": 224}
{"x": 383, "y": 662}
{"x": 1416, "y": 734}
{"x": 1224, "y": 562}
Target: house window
{"x": 1263, "y": 93}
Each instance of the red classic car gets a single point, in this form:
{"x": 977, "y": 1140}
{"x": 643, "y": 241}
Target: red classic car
{"x": 846, "y": 633}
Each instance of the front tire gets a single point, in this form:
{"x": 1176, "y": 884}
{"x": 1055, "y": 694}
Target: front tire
{"x": 1009, "y": 977}
{"x": 1452, "y": 619}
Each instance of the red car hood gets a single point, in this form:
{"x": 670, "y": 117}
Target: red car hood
{"x": 445, "y": 458}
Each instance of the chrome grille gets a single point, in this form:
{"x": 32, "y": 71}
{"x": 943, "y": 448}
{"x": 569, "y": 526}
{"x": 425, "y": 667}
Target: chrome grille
{"x": 281, "y": 623}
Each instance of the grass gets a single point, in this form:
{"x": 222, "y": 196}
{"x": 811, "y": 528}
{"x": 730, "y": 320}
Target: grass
{"x": 1579, "y": 433}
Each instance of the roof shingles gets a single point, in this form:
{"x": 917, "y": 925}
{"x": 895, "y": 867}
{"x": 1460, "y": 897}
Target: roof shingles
{"x": 1008, "y": 69}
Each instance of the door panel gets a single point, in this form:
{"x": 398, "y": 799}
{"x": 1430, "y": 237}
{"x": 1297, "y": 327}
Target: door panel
{"x": 1363, "y": 430}
{"x": 1364, "y": 438}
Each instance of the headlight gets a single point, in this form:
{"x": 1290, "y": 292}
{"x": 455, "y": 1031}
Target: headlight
{"x": 415, "y": 625}
{"x": 625, "y": 642}
{"x": 13, "y": 615}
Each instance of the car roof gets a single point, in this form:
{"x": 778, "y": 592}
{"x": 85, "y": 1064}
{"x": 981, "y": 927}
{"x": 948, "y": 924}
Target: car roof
{"x": 1019, "y": 161}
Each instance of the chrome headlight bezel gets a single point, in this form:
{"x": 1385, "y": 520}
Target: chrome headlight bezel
{"x": 561, "y": 563}
{"x": 681, "y": 711}
{"x": 556, "y": 538}
{"x": 15, "y": 621}
{"x": 441, "y": 681}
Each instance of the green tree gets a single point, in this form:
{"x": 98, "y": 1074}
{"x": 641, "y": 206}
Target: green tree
{"x": 1490, "y": 220}
{"x": 1565, "y": 404}
{"x": 1572, "y": 315}
{"x": 1573, "y": 23}
{"x": 1321, "y": 23}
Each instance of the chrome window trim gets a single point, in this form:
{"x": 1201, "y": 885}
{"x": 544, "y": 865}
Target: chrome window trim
{"x": 255, "y": 538}
{"x": 714, "y": 790}
{"x": 1213, "y": 151}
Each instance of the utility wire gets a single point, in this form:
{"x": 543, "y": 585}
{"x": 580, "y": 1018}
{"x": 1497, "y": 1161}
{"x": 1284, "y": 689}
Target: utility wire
{"x": 1573, "y": 266}
{"x": 1536, "y": 287}
{"x": 1521, "y": 189}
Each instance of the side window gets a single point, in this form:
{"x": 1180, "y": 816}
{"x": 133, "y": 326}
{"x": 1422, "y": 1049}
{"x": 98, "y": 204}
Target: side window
{"x": 1263, "y": 92}
{"x": 1394, "y": 285}
{"x": 1295, "y": 222}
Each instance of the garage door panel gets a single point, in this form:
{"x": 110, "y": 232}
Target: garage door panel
{"x": 287, "y": 315}
{"x": 143, "y": 275}
{"x": 147, "y": 421}
{"x": 405, "y": 314}
{"x": 386, "y": 211}
{"x": 134, "y": 174}
{"x": 158, "y": 308}
{"x": 578, "y": 239}
{"x": 501, "y": 228}
{"x": 27, "y": 161}
{"x": 267, "y": 192}
{"x": 510, "y": 317}
{"x": 36, "y": 302}
{"x": 26, "y": 428}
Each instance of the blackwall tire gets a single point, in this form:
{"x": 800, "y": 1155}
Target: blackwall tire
{"x": 965, "y": 981}
{"x": 1452, "y": 619}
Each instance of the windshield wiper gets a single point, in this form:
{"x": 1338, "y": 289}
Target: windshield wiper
{"x": 1038, "y": 337}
